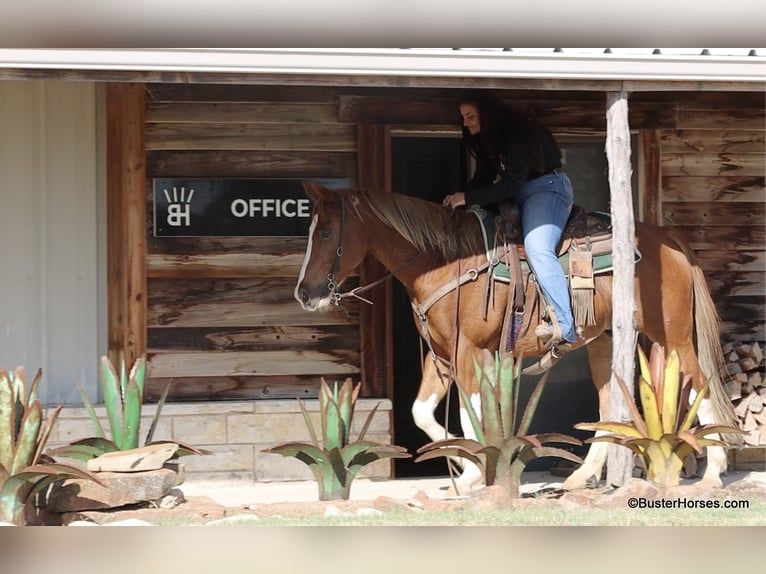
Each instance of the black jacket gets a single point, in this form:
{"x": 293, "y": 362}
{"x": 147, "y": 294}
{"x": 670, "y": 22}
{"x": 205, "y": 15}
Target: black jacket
{"x": 484, "y": 190}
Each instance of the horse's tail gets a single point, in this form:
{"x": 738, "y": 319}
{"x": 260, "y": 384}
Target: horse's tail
{"x": 707, "y": 333}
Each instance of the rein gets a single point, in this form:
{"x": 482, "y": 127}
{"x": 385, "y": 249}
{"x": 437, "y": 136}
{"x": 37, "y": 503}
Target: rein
{"x": 355, "y": 292}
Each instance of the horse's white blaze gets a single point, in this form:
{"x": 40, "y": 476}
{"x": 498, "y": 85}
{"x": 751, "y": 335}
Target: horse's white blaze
{"x": 302, "y": 274}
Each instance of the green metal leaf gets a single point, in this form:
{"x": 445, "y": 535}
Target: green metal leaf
{"x": 155, "y": 420}
{"x": 303, "y": 451}
{"x": 637, "y": 419}
{"x": 468, "y": 444}
{"x": 451, "y": 451}
{"x": 132, "y": 419}
{"x": 97, "y": 428}
{"x": 651, "y": 409}
{"x": 6, "y": 420}
{"x": 367, "y": 422}
{"x": 26, "y": 444}
{"x": 346, "y": 399}
{"x": 534, "y": 400}
{"x": 45, "y": 433}
{"x": 309, "y": 424}
{"x": 691, "y": 414}
{"x": 543, "y": 451}
{"x": 468, "y": 406}
{"x": 506, "y": 393}
{"x": 627, "y": 430}
{"x": 490, "y": 399}
{"x": 110, "y": 387}
{"x": 138, "y": 374}
{"x": 558, "y": 437}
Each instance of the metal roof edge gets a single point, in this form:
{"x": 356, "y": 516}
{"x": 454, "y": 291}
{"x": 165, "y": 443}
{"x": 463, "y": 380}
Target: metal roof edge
{"x": 469, "y": 63}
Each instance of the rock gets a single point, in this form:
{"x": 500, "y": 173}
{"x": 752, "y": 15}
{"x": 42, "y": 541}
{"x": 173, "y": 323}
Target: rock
{"x": 331, "y": 511}
{"x": 368, "y": 512}
{"x": 140, "y": 459}
{"x": 120, "y": 489}
{"x": 490, "y": 498}
{"x": 633, "y": 488}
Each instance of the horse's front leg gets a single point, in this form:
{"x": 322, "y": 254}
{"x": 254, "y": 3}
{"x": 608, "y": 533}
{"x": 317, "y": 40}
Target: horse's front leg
{"x": 600, "y": 361}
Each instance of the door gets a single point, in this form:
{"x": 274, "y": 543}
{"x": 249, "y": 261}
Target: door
{"x": 429, "y": 167}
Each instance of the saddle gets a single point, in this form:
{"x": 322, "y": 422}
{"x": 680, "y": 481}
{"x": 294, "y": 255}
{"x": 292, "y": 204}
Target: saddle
{"x": 587, "y": 239}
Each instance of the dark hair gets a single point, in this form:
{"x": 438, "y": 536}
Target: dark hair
{"x": 497, "y": 120}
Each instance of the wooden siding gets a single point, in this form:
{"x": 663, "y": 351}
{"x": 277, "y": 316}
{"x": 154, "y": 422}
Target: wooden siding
{"x": 221, "y": 319}
{"x": 713, "y": 168}
{"x": 222, "y": 322}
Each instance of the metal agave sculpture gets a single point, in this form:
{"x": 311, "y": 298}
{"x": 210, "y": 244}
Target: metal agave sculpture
{"x": 663, "y": 437}
{"x": 337, "y": 461}
{"x": 24, "y": 469}
{"x": 501, "y": 449}
{"x": 123, "y": 399}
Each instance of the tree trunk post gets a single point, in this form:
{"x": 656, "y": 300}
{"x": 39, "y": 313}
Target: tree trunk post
{"x": 620, "y": 458}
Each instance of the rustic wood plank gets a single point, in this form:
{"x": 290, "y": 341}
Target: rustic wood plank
{"x": 731, "y": 238}
{"x": 743, "y": 308}
{"x": 675, "y": 213}
{"x": 239, "y": 136}
{"x": 284, "y": 337}
{"x": 742, "y": 331}
{"x": 723, "y": 284}
{"x": 224, "y": 265}
{"x": 717, "y": 188}
{"x": 246, "y": 315}
{"x": 281, "y": 246}
{"x": 713, "y": 141}
{"x": 730, "y": 119}
{"x": 243, "y": 387}
{"x": 244, "y": 93}
{"x": 243, "y": 163}
{"x": 745, "y": 261}
{"x": 205, "y": 290}
{"x": 242, "y": 112}
{"x": 649, "y": 184}
{"x": 126, "y": 217}
{"x": 711, "y": 164}
{"x": 236, "y": 363}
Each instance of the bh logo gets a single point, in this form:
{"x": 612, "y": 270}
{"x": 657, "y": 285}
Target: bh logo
{"x": 179, "y": 208}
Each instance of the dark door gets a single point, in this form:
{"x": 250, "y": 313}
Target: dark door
{"x": 429, "y": 168}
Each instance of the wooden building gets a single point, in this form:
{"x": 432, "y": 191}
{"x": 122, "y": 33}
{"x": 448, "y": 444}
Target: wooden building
{"x": 94, "y": 139}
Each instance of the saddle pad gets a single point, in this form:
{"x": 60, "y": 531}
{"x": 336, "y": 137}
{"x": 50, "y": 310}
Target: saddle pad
{"x": 601, "y": 263}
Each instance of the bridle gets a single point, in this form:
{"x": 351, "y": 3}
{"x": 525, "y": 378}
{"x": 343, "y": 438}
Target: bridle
{"x": 332, "y": 284}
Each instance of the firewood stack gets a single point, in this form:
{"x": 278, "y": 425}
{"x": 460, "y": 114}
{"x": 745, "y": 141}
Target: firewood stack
{"x": 747, "y": 389}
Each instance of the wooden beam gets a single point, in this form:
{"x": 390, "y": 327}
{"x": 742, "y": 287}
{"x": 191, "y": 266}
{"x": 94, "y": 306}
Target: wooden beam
{"x": 126, "y": 222}
{"x": 375, "y": 319}
{"x": 620, "y": 459}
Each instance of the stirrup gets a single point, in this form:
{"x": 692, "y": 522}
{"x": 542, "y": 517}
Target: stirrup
{"x": 547, "y": 361}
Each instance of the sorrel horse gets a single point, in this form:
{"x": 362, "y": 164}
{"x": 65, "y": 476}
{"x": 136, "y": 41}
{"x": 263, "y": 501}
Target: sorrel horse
{"x": 427, "y": 246}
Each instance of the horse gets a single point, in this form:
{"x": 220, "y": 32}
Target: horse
{"x": 429, "y": 248}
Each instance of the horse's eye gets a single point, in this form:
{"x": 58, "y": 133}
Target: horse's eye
{"x": 325, "y": 233}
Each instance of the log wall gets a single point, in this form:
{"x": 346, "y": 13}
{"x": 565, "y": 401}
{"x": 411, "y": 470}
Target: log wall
{"x": 221, "y": 319}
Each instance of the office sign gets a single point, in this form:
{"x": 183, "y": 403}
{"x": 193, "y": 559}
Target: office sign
{"x": 197, "y": 207}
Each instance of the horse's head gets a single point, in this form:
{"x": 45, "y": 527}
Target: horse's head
{"x": 332, "y": 252}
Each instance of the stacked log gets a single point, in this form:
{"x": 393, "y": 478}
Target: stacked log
{"x": 747, "y": 389}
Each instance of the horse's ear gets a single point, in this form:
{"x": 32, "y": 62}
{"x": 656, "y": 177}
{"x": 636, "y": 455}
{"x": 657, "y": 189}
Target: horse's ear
{"x": 317, "y": 192}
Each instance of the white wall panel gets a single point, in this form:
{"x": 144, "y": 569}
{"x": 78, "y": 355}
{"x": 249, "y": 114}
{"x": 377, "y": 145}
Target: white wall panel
{"x": 49, "y": 239}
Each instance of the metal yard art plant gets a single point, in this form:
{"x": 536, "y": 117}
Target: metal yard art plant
{"x": 664, "y": 436}
{"x": 337, "y": 460}
{"x": 502, "y": 449}
{"x": 24, "y": 469}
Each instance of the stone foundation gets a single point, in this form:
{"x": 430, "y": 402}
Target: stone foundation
{"x": 236, "y": 432}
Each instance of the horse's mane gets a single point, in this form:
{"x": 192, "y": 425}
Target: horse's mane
{"x": 423, "y": 224}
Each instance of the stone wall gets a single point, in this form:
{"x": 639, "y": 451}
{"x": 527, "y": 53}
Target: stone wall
{"x": 236, "y": 432}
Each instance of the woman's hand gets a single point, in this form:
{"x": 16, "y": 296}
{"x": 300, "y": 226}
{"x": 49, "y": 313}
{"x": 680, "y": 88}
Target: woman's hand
{"x": 454, "y": 200}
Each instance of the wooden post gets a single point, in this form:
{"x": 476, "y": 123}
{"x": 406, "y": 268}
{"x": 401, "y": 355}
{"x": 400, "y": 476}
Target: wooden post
{"x": 375, "y": 320}
{"x": 620, "y": 458}
{"x": 126, "y": 222}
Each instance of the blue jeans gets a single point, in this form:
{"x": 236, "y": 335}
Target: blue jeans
{"x": 545, "y": 204}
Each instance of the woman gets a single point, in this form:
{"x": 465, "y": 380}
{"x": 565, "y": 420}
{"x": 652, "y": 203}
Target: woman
{"x": 518, "y": 158}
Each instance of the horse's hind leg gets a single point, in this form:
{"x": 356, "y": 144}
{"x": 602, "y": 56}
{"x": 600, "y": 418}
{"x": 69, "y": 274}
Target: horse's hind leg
{"x": 600, "y": 359}
{"x": 432, "y": 391}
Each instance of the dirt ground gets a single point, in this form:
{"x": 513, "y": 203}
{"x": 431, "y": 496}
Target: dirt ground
{"x": 180, "y": 509}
